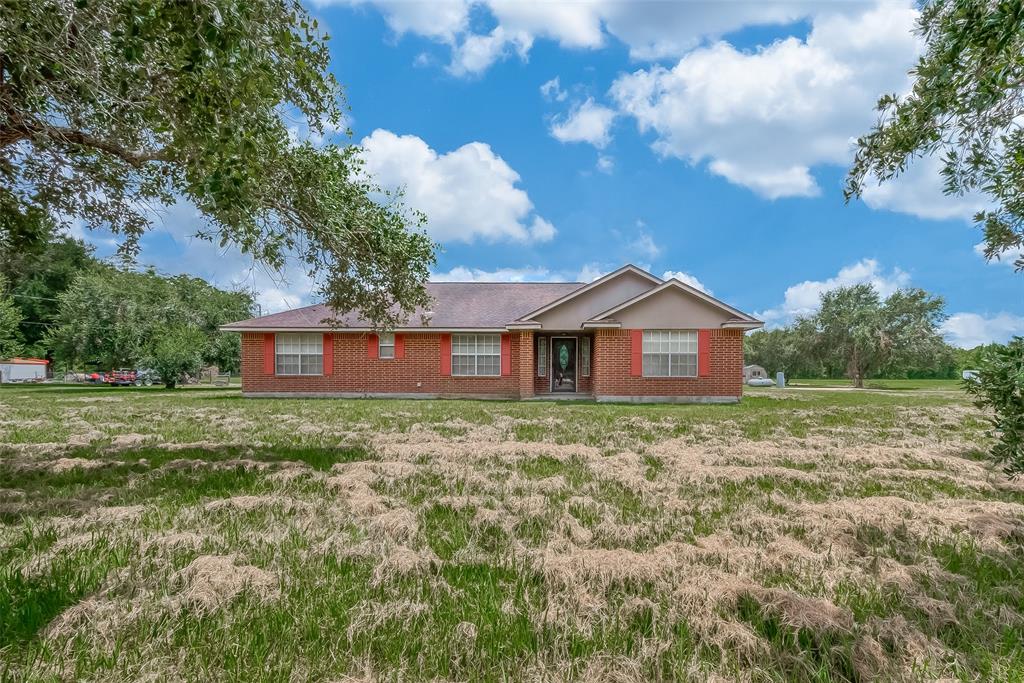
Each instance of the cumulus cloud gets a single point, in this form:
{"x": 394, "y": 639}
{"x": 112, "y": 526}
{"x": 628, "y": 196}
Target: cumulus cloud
{"x": 968, "y": 330}
{"x": 762, "y": 119}
{"x": 592, "y": 271}
{"x": 644, "y": 245}
{"x": 657, "y": 31}
{"x": 442, "y": 21}
{"x": 528, "y": 274}
{"x": 587, "y": 122}
{"x": 1007, "y": 257}
{"x": 552, "y": 90}
{"x": 605, "y": 163}
{"x": 477, "y": 52}
{"x": 805, "y": 297}
{"x": 918, "y": 192}
{"x": 468, "y": 194}
{"x": 685, "y": 278}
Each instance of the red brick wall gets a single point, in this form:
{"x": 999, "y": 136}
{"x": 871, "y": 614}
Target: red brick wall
{"x": 527, "y": 364}
{"x": 355, "y": 372}
{"x": 611, "y": 371}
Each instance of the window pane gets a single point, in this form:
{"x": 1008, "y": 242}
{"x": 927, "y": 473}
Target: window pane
{"x": 463, "y": 365}
{"x": 386, "y": 345}
{"x": 488, "y": 365}
{"x": 542, "y": 357}
{"x": 655, "y": 365}
{"x": 585, "y": 356}
{"x": 287, "y": 364}
{"x": 311, "y": 364}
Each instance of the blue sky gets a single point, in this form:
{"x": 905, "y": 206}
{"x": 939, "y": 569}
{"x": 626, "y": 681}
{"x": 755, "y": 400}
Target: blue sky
{"x": 706, "y": 140}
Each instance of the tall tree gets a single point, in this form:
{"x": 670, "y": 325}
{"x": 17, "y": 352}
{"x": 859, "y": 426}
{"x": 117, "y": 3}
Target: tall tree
{"x": 999, "y": 387}
{"x": 855, "y": 329}
{"x": 110, "y": 106}
{"x": 11, "y": 342}
{"x": 115, "y": 317}
{"x": 966, "y": 104}
{"x": 38, "y": 274}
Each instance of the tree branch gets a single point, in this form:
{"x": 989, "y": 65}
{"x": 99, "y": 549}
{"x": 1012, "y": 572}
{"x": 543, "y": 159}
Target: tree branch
{"x": 28, "y": 130}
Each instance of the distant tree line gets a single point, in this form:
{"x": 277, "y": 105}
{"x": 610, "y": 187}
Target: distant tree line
{"x": 859, "y": 335}
{"x": 58, "y": 301}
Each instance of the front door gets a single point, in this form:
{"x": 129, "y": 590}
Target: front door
{"x": 563, "y": 364}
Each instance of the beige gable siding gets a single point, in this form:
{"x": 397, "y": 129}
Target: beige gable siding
{"x": 571, "y": 314}
{"x": 671, "y": 309}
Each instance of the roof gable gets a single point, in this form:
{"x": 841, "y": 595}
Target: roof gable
{"x": 726, "y": 315}
{"x": 596, "y": 284}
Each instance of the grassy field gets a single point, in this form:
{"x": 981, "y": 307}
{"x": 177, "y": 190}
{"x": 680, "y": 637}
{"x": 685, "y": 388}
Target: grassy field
{"x": 801, "y": 535}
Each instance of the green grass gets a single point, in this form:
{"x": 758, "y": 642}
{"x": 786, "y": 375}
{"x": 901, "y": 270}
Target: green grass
{"x": 469, "y": 540}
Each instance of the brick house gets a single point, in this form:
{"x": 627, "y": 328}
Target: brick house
{"x": 628, "y": 336}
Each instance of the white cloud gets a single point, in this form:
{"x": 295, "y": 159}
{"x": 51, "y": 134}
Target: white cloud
{"x": 477, "y": 52}
{"x": 468, "y": 194}
{"x": 654, "y": 31}
{"x": 552, "y": 90}
{"x": 667, "y": 29}
{"x": 685, "y": 278}
{"x": 645, "y": 246}
{"x": 605, "y": 163}
{"x": 805, "y": 297}
{"x": 1007, "y": 257}
{"x": 442, "y": 21}
{"x": 586, "y": 122}
{"x": 592, "y": 271}
{"x": 918, "y": 192}
{"x": 968, "y": 330}
{"x": 763, "y": 119}
{"x": 529, "y": 274}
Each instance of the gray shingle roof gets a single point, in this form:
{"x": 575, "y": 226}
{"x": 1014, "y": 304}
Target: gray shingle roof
{"x": 456, "y": 305}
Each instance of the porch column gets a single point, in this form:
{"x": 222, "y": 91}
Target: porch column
{"x": 526, "y": 363}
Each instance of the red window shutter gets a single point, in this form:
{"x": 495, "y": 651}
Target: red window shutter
{"x": 269, "y": 352}
{"x": 506, "y": 355}
{"x": 446, "y": 354}
{"x": 703, "y": 353}
{"x": 372, "y": 347}
{"x": 636, "y": 353}
{"x": 328, "y": 353}
{"x": 399, "y": 346}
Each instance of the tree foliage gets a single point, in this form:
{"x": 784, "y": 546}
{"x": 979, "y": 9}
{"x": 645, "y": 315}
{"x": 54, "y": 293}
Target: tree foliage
{"x": 1000, "y": 387}
{"x": 967, "y": 105}
{"x": 857, "y": 334}
{"x": 177, "y": 352}
{"x": 114, "y": 318}
{"x": 11, "y": 341}
{"x": 111, "y": 106}
{"x": 38, "y": 273}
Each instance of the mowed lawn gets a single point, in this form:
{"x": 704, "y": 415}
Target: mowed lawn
{"x": 802, "y": 535}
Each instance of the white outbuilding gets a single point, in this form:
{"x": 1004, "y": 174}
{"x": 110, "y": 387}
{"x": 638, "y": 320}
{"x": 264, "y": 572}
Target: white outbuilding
{"x": 23, "y": 370}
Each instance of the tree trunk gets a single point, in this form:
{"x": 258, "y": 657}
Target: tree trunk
{"x": 169, "y": 384}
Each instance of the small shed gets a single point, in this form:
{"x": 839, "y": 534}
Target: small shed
{"x": 23, "y": 370}
{"x": 752, "y": 371}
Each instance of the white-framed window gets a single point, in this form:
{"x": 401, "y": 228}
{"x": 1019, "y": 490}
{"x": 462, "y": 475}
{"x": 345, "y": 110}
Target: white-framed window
{"x": 542, "y": 356}
{"x": 476, "y": 354}
{"x": 585, "y": 356}
{"x": 386, "y": 345}
{"x": 299, "y": 353}
{"x": 670, "y": 353}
